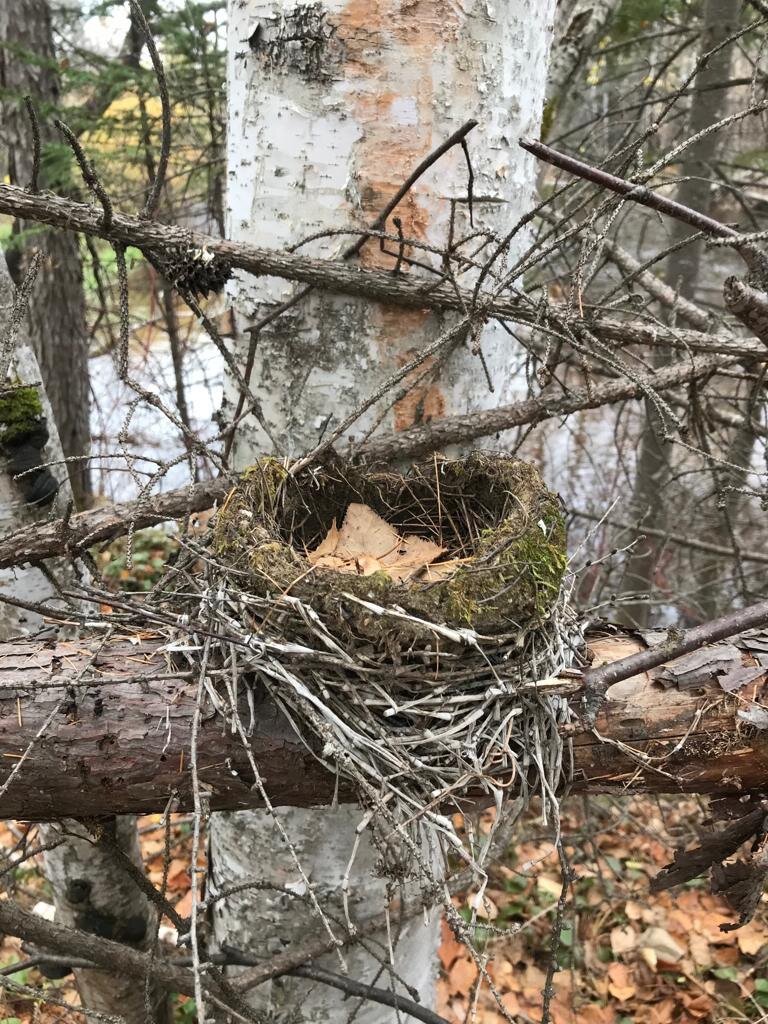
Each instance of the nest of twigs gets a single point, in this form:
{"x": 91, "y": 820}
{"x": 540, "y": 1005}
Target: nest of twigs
{"x": 409, "y": 624}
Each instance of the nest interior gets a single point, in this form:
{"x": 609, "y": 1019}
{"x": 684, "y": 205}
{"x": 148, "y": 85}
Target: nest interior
{"x": 493, "y": 514}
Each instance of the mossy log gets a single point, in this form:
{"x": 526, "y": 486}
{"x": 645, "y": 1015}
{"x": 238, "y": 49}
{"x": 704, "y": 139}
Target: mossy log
{"x": 119, "y": 740}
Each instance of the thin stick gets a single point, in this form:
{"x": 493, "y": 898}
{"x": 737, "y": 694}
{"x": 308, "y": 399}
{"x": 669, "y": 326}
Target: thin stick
{"x": 313, "y": 972}
{"x": 677, "y": 538}
{"x": 88, "y": 171}
{"x": 597, "y": 680}
{"x": 34, "y": 125}
{"x": 8, "y": 336}
{"x": 153, "y": 199}
{"x": 368, "y": 992}
{"x": 629, "y": 190}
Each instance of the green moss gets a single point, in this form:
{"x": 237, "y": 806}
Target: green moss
{"x": 20, "y": 412}
{"x": 547, "y": 119}
{"x": 239, "y": 528}
{"x": 492, "y": 512}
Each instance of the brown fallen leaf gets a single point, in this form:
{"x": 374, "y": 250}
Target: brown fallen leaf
{"x": 623, "y": 940}
{"x": 662, "y": 1012}
{"x": 450, "y": 947}
{"x": 620, "y": 985}
{"x": 751, "y": 938}
{"x": 594, "y": 1013}
{"x": 700, "y": 950}
{"x": 366, "y": 544}
{"x": 462, "y": 976}
{"x": 178, "y": 874}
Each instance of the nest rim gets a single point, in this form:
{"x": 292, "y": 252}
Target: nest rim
{"x": 505, "y": 521}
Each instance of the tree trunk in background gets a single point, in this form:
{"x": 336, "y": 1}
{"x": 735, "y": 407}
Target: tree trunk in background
{"x": 578, "y": 27}
{"x": 60, "y": 339}
{"x": 86, "y": 880}
{"x": 331, "y": 106}
{"x": 652, "y": 475}
{"x": 92, "y": 892}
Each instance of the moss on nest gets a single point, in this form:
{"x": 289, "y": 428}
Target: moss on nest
{"x": 491, "y": 511}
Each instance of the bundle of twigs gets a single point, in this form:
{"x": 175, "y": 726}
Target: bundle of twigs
{"x": 416, "y": 649}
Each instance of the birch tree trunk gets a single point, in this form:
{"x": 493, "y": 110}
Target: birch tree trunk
{"x": 90, "y": 888}
{"x": 331, "y": 106}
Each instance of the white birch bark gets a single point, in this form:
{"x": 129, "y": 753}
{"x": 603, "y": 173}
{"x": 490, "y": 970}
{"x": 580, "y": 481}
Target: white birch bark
{"x": 90, "y": 888}
{"x": 331, "y": 105}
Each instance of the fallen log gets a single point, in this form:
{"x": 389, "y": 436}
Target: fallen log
{"x": 90, "y": 728}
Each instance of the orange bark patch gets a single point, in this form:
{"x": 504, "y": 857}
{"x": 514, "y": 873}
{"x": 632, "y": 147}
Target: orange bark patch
{"x": 389, "y": 67}
{"x": 424, "y": 401}
{"x": 389, "y": 52}
{"x": 396, "y": 332}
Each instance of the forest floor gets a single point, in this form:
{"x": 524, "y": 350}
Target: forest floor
{"x": 626, "y": 957}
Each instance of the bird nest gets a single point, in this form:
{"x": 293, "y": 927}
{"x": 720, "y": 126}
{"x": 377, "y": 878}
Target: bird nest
{"x": 411, "y": 625}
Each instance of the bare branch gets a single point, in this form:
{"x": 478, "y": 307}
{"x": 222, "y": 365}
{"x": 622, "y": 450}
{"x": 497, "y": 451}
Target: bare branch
{"x": 453, "y": 429}
{"x": 597, "y": 680}
{"x": 85, "y": 529}
{"x": 150, "y": 207}
{"x": 332, "y": 275}
{"x": 35, "y": 543}
{"x": 629, "y": 190}
{"x": 749, "y": 305}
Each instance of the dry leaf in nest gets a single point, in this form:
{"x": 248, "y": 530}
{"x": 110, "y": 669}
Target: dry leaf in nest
{"x": 366, "y": 543}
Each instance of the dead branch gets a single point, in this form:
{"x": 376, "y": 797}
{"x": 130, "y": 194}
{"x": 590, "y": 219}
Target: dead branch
{"x": 749, "y": 305}
{"x": 37, "y": 542}
{"x": 79, "y": 532}
{"x": 670, "y": 537}
{"x": 598, "y": 680}
{"x": 105, "y": 953}
{"x": 634, "y": 191}
{"x": 332, "y": 275}
{"x": 454, "y": 429}
{"x": 655, "y": 286}
{"x": 116, "y": 957}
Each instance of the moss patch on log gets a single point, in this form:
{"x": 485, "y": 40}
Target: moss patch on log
{"x": 491, "y": 511}
{"x": 20, "y": 413}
